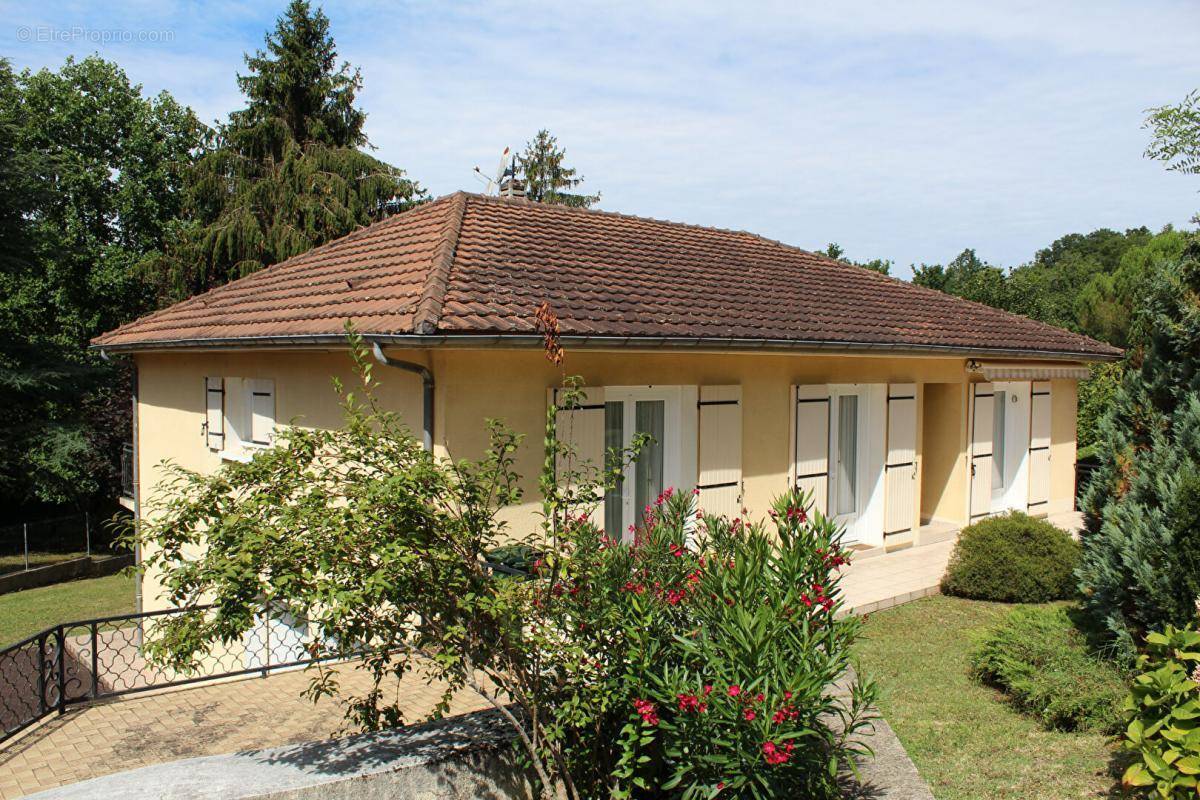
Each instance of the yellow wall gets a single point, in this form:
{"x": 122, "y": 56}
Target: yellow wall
{"x": 1063, "y": 399}
{"x": 945, "y": 471}
{"x": 511, "y": 385}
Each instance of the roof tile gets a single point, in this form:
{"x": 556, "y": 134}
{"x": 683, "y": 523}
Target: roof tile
{"x": 466, "y": 264}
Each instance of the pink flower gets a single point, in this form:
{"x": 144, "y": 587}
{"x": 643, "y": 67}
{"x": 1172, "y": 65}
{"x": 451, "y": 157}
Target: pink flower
{"x": 646, "y": 710}
{"x": 735, "y": 690}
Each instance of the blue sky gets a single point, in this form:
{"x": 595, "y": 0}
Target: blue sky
{"x": 900, "y": 130}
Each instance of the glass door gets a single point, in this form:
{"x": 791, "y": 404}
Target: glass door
{"x": 845, "y": 459}
{"x": 627, "y": 414}
{"x": 999, "y": 431}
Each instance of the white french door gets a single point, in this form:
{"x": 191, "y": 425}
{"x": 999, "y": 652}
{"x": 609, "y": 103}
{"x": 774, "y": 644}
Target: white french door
{"x": 1000, "y": 447}
{"x": 857, "y": 433}
{"x": 656, "y": 413}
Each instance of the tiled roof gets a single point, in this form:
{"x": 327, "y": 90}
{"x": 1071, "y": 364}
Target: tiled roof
{"x": 466, "y": 264}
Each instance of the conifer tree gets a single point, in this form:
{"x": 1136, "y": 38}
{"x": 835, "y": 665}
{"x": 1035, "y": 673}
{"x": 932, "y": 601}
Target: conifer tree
{"x": 546, "y": 176}
{"x": 1141, "y": 564}
{"x": 286, "y": 173}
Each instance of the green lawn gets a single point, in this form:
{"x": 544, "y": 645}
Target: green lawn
{"x": 17, "y": 563}
{"x": 25, "y": 613}
{"x": 965, "y": 741}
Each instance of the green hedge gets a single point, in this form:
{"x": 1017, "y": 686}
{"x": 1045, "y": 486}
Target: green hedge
{"x": 1042, "y": 661}
{"x": 1013, "y": 559}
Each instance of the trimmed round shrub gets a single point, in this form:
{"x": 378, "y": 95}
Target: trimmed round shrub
{"x": 1013, "y": 559}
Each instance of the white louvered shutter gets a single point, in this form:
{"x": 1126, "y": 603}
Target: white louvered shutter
{"x": 811, "y": 446}
{"x": 581, "y": 429}
{"x": 1039, "y": 447}
{"x": 720, "y": 450}
{"x": 214, "y": 413}
{"x": 900, "y": 466}
{"x": 262, "y": 411}
{"x": 983, "y": 408}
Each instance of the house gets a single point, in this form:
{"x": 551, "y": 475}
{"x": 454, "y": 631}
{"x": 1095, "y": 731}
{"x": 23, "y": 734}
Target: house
{"x": 754, "y": 365}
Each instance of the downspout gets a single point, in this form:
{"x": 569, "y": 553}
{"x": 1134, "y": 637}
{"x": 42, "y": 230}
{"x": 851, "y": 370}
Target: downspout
{"x": 426, "y": 389}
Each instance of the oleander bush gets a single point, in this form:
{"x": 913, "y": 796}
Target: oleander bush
{"x": 1163, "y": 717}
{"x": 1046, "y": 666}
{"x": 1012, "y": 558}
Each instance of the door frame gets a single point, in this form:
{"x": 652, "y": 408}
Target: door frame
{"x": 680, "y": 414}
{"x": 1017, "y": 410}
{"x": 865, "y": 524}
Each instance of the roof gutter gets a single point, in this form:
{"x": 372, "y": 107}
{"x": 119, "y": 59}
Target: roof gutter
{"x": 716, "y": 343}
{"x": 427, "y": 387}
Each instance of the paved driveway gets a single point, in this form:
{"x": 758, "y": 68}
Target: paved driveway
{"x": 205, "y": 720}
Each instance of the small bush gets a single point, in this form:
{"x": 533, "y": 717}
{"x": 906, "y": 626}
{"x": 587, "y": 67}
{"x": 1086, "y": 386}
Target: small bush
{"x": 1042, "y": 661}
{"x": 1013, "y": 559}
{"x": 1163, "y": 715}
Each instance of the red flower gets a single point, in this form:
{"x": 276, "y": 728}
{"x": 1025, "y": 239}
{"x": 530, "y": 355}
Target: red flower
{"x": 707, "y": 689}
{"x": 749, "y": 714}
{"x": 646, "y": 710}
{"x": 692, "y": 703}
{"x": 735, "y": 690}
{"x": 775, "y": 755}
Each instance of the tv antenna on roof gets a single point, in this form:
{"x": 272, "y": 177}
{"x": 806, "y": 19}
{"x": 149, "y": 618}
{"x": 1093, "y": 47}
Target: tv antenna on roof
{"x": 506, "y": 183}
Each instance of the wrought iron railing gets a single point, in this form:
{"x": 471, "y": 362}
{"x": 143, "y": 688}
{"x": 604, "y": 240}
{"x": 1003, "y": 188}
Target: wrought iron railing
{"x": 127, "y": 470}
{"x": 80, "y": 662}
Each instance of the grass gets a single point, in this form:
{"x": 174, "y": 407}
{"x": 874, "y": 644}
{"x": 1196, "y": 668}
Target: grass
{"x": 27, "y": 612}
{"x": 17, "y": 563}
{"x": 966, "y": 741}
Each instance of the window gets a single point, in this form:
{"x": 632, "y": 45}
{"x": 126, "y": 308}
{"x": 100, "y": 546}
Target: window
{"x": 614, "y": 440}
{"x": 262, "y": 411}
{"x": 998, "y": 430}
{"x": 657, "y": 412}
{"x": 648, "y": 470}
{"x": 240, "y": 415}
{"x": 846, "y": 456}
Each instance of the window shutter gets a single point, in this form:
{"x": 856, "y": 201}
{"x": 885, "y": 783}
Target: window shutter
{"x": 1039, "y": 446}
{"x": 262, "y": 411}
{"x": 214, "y": 413}
{"x": 720, "y": 450}
{"x": 581, "y": 429}
{"x": 811, "y": 445}
{"x": 900, "y": 466}
{"x": 982, "y": 409}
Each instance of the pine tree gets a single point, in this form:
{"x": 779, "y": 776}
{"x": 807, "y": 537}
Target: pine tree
{"x": 287, "y": 172}
{"x": 1141, "y": 564}
{"x": 545, "y": 175}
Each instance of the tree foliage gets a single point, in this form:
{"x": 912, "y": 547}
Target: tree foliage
{"x": 1139, "y": 570}
{"x": 834, "y": 250}
{"x": 1176, "y": 134}
{"x": 91, "y": 172}
{"x": 547, "y": 178}
{"x": 287, "y": 172}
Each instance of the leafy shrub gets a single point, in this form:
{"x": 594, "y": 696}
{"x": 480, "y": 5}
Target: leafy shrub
{"x": 1043, "y": 662}
{"x": 1163, "y": 712}
{"x": 1013, "y": 559}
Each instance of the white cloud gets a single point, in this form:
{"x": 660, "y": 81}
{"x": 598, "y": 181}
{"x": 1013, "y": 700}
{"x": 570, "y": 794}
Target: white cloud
{"x": 907, "y": 131}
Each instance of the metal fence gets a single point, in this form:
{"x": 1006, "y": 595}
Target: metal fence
{"x": 80, "y": 662}
{"x": 33, "y": 544}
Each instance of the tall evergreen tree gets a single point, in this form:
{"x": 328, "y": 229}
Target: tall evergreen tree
{"x": 286, "y": 173}
{"x": 1141, "y": 564}
{"x": 546, "y": 176}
